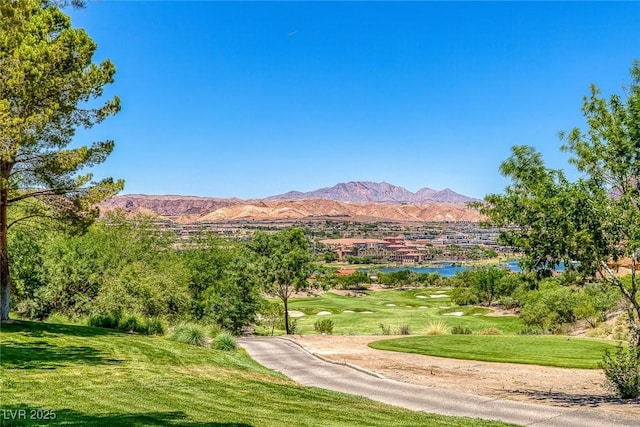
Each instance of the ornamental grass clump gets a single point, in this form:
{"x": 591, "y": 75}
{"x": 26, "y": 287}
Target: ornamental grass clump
{"x": 437, "y": 328}
{"x": 224, "y": 341}
{"x": 190, "y": 333}
{"x": 324, "y": 326}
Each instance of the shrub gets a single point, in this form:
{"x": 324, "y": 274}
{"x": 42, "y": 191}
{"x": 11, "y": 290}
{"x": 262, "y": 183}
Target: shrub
{"x": 323, "y": 326}
{"x": 490, "y": 331}
{"x": 133, "y": 323}
{"x": 190, "y": 333}
{"x": 224, "y": 341}
{"x": 404, "y": 330}
{"x": 531, "y": 331}
{"x": 386, "y": 329}
{"x": 437, "y": 328}
{"x": 622, "y": 371}
{"x": 460, "y": 330}
{"x": 293, "y": 326}
{"x": 156, "y": 326}
{"x": 104, "y": 321}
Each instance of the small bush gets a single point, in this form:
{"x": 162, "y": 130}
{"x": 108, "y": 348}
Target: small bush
{"x": 386, "y": 329}
{"x": 104, "y": 321}
{"x": 404, "y": 330}
{"x": 490, "y": 331}
{"x": 224, "y": 341}
{"x": 133, "y": 323}
{"x": 156, "y": 326}
{"x": 437, "y": 328}
{"x": 460, "y": 330}
{"x": 293, "y": 326}
{"x": 622, "y": 371}
{"x": 531, "y": 331}
{"x": 323, "y": 326}
{"x": 190, "y": 333}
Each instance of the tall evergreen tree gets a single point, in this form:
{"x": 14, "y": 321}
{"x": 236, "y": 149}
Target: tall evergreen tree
{"x": 48, "y": 88}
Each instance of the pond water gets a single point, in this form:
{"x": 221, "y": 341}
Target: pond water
{"x": 450, "y": 269}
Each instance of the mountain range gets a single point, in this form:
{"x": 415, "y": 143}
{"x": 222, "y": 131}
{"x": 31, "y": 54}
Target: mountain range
{"x": 352, "y": 201}
{"x": 377, "y": 192}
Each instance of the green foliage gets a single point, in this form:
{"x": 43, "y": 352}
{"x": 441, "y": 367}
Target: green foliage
{"x": 330, "y": 256}
{"x": 460, "y": 330}
{"x": 592, "y": 220}
{"x": 398, "y": 278}
{"x": 110, "y": 321}
{"x": 549, "y": 307}
{"x": 482, "y": 285}
{"x": 464, "y": 296}
{"x": 190, "y": 333}
{"x": 284, "y": 262}
{"x": 156, "y": 326}
{"x": 356, "y": 281}
{"x": 622, "y": 371}
{"x": 272, "y": 314}
{"x": 323, "y": 326}
{"x": 116, "y": 266}
{"x": 48, "y": 86}
{"x": 132, "y": 322}
{"x": 128, "y": 322}
{"x": 224, "y": 341}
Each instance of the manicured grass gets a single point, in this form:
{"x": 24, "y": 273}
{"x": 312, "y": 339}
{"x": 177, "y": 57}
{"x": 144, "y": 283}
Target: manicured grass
{"x": 95, "y": 377}
{"x": 416, "y": 308}
{"x": 537, "y": 350}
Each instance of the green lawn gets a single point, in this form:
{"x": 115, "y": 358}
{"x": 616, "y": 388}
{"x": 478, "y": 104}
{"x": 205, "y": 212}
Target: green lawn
{"x": 94, "y": 377}
{"x": 538, "y": 350}
{"x": 416, "y": 308}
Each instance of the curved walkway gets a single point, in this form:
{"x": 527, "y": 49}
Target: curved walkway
{"x": 305, "y": 368}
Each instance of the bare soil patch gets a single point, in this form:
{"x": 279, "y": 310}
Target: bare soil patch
{"x": 530, "y": 383}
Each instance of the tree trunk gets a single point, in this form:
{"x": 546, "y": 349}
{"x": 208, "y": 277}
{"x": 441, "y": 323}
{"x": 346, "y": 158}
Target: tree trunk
{"x": 4, "y": 257}
{"x": 286, "y": 314}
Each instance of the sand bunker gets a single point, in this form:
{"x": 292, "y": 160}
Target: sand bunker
{"x": 455, "y": 313}
{"x": 323, "y": 313}
{"x": 440, "y": 296}
{"x": 391, "y": 305}
{"x": 366, "y": 312}
{"x": 348, "y": 311}
{"x": 295, "y": 313}
{"x": 420, "y": 296}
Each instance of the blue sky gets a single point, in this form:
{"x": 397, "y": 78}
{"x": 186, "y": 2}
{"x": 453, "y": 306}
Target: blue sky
{"x": 256, "y": 99}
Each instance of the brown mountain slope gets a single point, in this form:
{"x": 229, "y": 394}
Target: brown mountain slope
{"x": 200, "y": 209}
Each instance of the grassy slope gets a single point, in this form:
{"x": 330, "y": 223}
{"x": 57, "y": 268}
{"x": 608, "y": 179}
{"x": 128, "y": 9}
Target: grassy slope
{"x": 94, "y": 377}
{"x": 539, "y": 350}
{"x": 408, "y": 309}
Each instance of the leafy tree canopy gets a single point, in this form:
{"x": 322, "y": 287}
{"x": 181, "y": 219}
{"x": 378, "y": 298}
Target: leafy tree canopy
{"x": 591, "y": 221}
{"x": 48, "y": 88}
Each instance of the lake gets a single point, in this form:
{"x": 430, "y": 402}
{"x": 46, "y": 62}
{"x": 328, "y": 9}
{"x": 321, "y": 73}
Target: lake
{"x": 450, "y": 269}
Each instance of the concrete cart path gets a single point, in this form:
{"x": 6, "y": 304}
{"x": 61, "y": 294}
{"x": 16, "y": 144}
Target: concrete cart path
{"x": 300, "y": 365}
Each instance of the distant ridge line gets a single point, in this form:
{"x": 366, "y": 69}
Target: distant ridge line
{"x": 377, "y": 192}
